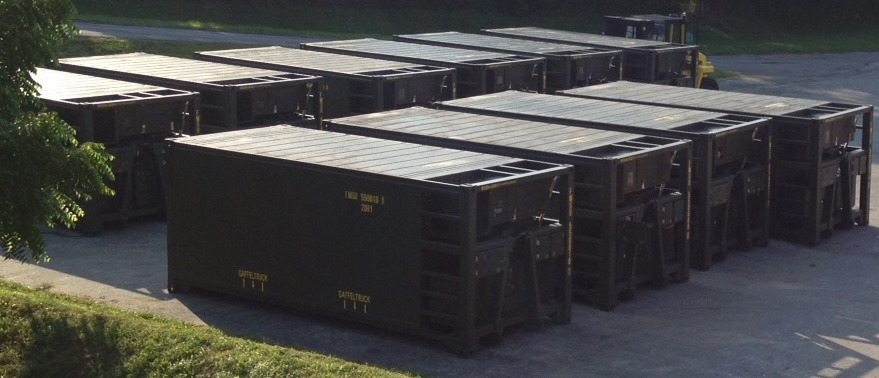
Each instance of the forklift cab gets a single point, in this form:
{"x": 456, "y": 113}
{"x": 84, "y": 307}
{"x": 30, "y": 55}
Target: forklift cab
{"x": 672, "y": 29}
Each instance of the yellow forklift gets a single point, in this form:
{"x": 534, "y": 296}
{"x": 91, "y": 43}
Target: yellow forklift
{"x": 672, "y": 28}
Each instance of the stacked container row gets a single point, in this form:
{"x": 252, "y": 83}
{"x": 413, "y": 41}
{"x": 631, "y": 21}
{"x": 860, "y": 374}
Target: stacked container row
{"x": 820, "y": 180}
{"x": 630, "y": 199}
{"x": 729, "y": 152}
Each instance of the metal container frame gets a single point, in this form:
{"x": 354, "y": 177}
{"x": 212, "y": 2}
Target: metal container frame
{"x": 450, "y": 245}
{"x": 232, "y": 96}
{"x": 478, "y": 72}
{"x": 352, "y": 84}
{"x": 567, "y": 66}
{"x": 644, "y": 61}
{"x": 631, "y": 192}
{"x": 808, "y": 136}
{"x": 736, "y": 147}
{"x": 132, "y": 121}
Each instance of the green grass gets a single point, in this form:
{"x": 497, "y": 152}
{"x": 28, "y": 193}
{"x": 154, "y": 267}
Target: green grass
{"x": 50, "y": 335}
{"x": 717, "y": 41}
{"x": 719, "y": 36}
{"x": 88, "y": 46}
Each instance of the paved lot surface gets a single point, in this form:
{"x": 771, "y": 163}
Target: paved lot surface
{"x": 781, "y": 311}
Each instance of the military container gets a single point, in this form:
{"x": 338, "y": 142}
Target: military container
{"x": 729, "y": 151}
{"x": 631, "y": 191}
{"x": 450, "y": 245}
{"x": 231, "y": 96}
{"x": 131, "y": 120}
{"x": 820, "y": 181}
{"x": 479, "y": 72}
{"x": 352, "y": 84}
{"x": 643, "y": 60}
{"x": 567, "y": 66}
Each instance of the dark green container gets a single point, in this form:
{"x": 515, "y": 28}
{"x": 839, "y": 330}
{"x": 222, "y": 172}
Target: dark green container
{"x": 810, "y": 149}
{"x": 479, "y": 72}
{"x": 728, "y": 151}
{"x": 631, "y": 192}
{"x": 232, "y": 97}
{"x": 352, "y": 84}
{"x": 132, "y": 121}
{"x": 446, "y": 244}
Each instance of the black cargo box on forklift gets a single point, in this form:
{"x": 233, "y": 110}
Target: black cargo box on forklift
{"x": 730, "y": 158}
{"x": 631, "y": 192}
{"x": 567, "y": 66}
{"x": 644, "y": 61}
{"x": 352, "y": 84}
{"x": 132, "y": 121}
{"x": 479, "y": 72}
{"x": 810, "y": 149}
{"x": 445, "y": 244}
{"x": 231, "y": 96}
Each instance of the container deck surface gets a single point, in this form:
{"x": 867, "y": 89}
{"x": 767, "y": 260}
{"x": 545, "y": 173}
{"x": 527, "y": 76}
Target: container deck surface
{"x": 67, "y": 86}
{"x": 510, "y": 45}
{"x": 413, "y": 51}
{"x": 377, "y": 156}
{"x": 538, "y": 136}
{"x": 733, "y": 102}
{"x": 597, "y": 111}
{"x": 578, "y": 37}
{"x": 177, "y": 69}
{"x": 312, "y": 60}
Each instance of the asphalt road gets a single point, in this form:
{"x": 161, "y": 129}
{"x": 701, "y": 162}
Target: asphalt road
{"x": 781, "y": 311}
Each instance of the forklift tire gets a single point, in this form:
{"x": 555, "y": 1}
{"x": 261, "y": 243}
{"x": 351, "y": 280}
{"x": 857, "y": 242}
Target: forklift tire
{"x": 709, "y": 83}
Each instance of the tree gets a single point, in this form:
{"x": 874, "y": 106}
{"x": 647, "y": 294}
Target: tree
{"x": 44, "y": 170}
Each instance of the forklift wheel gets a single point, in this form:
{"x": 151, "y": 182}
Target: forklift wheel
{"x": 709, "y": 83}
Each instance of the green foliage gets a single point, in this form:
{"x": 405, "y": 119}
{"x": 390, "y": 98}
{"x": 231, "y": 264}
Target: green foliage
{"x": 30, "y": 32}
{"x": 48, "y": 171}
{"x": 48, "y": 335}
{"x": 44, "y": 169}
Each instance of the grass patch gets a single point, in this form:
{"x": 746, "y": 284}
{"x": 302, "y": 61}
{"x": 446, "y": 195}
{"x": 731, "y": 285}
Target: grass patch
{"x": 718, "y": 36}
{"x": 723, "y": 74}
{"x": 50, "y": 335}
{"x": 89, "y": 46}
{"x": 717, "y": 41}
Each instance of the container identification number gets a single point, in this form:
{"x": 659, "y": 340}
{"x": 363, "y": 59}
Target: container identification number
{"x": 368, "y": 202}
